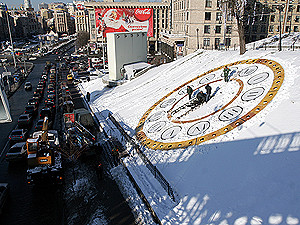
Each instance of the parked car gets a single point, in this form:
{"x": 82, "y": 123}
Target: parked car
{"x": 28, "y": 86}
{"x": 33, "y": 102}
{"x": 46, "y": 112}
{"x": 39, "y": 124}
{"x": 40, "y": 89}
{"x": 4, "y": 189}
{"x": 50, "y": 97}
{"x": 18, "y": 135}
{"x": 37, "y": 96}
{"x": 31, "y": 110}
{"x": 50, "y": 104}
{"x": 70, "y": 77}
{"x": 44, "y": 76}
{"x": 16, "y": 152}
{"x": 24, "y": 120}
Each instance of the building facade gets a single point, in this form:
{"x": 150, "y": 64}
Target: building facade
{"x": 63, "y": 23}
{"x": 270, "y": 17}
{"x": 82, "y": 20}
{"x": 199, "y": 24}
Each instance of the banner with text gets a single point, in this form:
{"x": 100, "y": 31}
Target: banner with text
{"x": 124, "y": 20}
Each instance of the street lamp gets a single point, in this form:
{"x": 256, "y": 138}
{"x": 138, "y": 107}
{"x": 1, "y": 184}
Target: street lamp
{"x": 197, "y": 30}
{"x": 280, "y": 8}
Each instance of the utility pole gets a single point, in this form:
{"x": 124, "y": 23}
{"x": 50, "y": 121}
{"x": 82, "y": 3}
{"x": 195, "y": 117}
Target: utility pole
{"x": 11, "y": 42}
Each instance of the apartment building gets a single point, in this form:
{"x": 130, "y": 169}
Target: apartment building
{"x": 64, "y": 24}
{"x": 269, "y": 17}
{"x": 82, "y": 20}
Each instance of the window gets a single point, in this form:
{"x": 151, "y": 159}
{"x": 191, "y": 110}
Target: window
{"x": 254, "y": 28}
{"x": 272, "y": 18}
{"x": 281, "y": 18}
{"x": 263, "y": 29}
{"x": 297, "y": 19}
{"x": 227, "y": 41}
{"x": 206, "y": 29}
{"x": 229, "y": 17}
{"x": 218, "y": 16}
{"x": 298, "y": 8}
{"x": 218, "y": 29}
{"x": 287, "y": 28}
{"x": 296, "y": 29}
{"x": 208, "y": 3}
{"x": 271, "y": 28}
{"x": 228, "y": 29}
{"x": 187, "y": 15}
{"x": 289, "y": 18}
{"x": 207, "y": 15}
{"x": 217, "y": 42}
{"x": 206, "y": 42}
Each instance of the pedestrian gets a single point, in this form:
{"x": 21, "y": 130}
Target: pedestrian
{"x": 189, "y": 91}
{"x": 88, "y": 96}
{"x": 226, "y": 73}
{"x": 201, "y": 97}
{"x": 100, "y": 171}
{"x": 115, "y": 155}
{"x": 208, "y": 92}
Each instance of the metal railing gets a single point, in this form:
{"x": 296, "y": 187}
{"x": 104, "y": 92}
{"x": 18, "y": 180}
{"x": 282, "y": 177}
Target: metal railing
{"x": 153, "y": 169}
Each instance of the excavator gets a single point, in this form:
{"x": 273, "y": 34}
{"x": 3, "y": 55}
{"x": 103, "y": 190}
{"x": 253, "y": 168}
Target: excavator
{"x": 43, "y": 156}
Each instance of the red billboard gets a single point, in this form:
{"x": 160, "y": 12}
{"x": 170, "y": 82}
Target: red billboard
{"x": 124, "y": 20}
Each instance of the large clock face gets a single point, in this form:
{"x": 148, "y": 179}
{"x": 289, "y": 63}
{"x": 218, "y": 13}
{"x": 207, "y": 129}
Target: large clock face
{"x": 177, "y": 122}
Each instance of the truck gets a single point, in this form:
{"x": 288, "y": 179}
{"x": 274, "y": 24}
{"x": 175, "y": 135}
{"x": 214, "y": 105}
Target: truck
{"x": 43, "y": 157}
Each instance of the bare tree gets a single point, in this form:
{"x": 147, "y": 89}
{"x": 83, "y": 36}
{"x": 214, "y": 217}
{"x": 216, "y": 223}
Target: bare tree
{"x": 82, "y": 39}
{"x": 236, "y": 8}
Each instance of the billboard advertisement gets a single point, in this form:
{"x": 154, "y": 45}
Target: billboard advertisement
{"x": 124, "y": 20}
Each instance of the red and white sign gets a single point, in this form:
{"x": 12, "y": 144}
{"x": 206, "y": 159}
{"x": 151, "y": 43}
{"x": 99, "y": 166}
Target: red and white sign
{"x": 124, "y": 20}
{"x": 80, "y": 6}
{"x": 69, "y": 117}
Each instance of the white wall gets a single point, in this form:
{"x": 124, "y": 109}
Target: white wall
{"x": 124, "y": 48}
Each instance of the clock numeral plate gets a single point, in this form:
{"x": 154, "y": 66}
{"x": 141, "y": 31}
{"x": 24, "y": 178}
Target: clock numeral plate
{"x": 258, "y": 78}
{"x": 253, "y": 94}
{"x": 247, "y": 71}
{"x": 198, "y": 128}
{"x": 157, "y": 127}
{"x": 170, "y": 132}
{"x": 156, "y": 116}
{"x": 231, "y": 113}
{"x": 167, "y": 103}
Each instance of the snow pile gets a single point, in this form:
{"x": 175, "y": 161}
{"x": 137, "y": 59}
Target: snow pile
{"x": 247, "y": 176}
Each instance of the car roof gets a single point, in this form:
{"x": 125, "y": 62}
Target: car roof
{"x": 19, "y": 144}
{"x": 24, "y": 115}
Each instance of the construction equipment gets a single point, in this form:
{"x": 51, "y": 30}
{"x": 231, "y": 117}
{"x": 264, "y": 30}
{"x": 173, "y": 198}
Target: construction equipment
{"x": 44, "y": 159}
{"x": 79, "y": 139}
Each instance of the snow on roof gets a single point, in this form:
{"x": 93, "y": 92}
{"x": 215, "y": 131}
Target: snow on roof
{"x": 249, "y": 175}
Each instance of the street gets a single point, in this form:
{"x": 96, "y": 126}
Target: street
{"x": 26, "y": 205}
{"x": 50, "y": 205}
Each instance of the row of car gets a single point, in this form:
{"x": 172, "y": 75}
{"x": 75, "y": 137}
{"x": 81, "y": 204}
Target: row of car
{"x": 19, "y": 136}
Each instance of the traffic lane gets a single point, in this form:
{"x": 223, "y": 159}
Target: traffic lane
{"x": 108, "y": 193}
{"x": 17, "y": 103}
{"x": 28, "y": 205}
